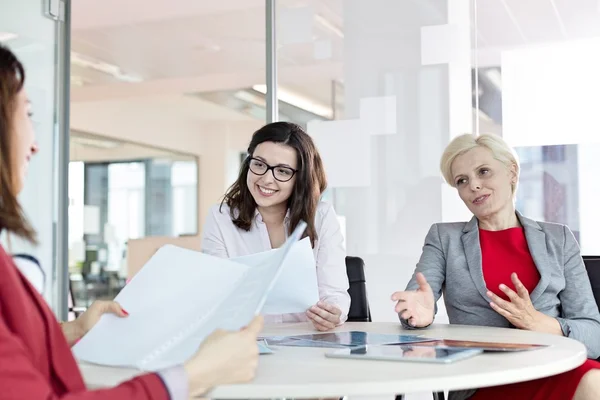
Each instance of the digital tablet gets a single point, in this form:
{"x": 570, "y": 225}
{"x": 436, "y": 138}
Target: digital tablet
{"x": 263, "y": 348}
{"x": 411, "y": 353}
{"x": 344, "y": 339}
{"x": 488, "y": 346}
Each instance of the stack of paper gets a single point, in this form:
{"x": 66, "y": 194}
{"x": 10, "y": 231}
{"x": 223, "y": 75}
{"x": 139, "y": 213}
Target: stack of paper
{"x": 176, "y": 300}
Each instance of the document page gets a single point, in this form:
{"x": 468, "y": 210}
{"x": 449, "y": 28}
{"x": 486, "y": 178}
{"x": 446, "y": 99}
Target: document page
{"x": 296, "y": 289}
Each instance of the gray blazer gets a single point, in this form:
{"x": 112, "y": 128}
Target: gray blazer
{"x": 451, "y": 262}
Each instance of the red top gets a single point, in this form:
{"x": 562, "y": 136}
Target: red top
{"x": 35, "y": 359}
{"x": 504, "y": 252}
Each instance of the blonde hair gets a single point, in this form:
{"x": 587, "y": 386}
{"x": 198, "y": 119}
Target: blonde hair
{"x": 500, "y": 150}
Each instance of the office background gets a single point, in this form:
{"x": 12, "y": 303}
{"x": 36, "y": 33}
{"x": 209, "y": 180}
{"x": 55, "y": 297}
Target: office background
{"x": 164, "y": 96}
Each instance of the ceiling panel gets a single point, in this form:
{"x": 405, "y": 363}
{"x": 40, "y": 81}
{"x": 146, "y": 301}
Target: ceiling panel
{"x": 91, "y": 14}
{"x": 581, "y": 17}
{"x": 495, "y": 25}
{"x": 536, "y": 19}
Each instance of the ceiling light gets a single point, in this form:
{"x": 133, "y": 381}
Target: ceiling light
{"x": 299, "y": 101}
{"x": 250, "y": 98}
{"x": 321, "y": 20}
{"x": 100, "y": 143}
{"x": 101, "y": 66}
{"x": 6, "y": 36}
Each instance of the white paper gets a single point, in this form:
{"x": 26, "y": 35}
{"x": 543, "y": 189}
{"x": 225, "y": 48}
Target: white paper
{"x": 245, "y": 300}
{"x": 91, "y": 220}
{"x": 297, "y": 289}
{"x": 175, "y": 302}
{"x": 346, "y": 151}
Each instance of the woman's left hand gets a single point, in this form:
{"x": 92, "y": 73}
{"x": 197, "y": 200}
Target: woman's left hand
{"x": 75, "y": 330}
{"x": 324, "y": 316}
{"x": 520, "y": 311}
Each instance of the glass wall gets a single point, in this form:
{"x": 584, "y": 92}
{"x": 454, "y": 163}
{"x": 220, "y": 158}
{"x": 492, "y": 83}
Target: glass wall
{"x": 395, "y": 78}
{"x": 400, "y": 79}
{"x": 538, "y": 76}
{"x": 121, "y": 191}
{"x": 35, "y": 38}
{"x": 185, "y": 80}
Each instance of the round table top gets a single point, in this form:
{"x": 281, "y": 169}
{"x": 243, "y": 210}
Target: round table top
{"x": 307, "y": 373}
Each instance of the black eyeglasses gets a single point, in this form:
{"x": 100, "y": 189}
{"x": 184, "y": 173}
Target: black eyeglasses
{"x": 280, "y": 173}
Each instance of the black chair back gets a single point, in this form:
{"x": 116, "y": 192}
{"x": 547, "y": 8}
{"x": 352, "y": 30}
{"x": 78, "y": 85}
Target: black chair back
{"x": 592, "y": 264}
{"x": 359, "y": 303}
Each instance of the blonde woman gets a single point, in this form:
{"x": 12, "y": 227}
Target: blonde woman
{"x": 502, "y": 269}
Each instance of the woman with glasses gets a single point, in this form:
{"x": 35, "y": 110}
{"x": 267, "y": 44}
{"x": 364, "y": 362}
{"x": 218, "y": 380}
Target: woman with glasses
{"x": 280, "y": 184}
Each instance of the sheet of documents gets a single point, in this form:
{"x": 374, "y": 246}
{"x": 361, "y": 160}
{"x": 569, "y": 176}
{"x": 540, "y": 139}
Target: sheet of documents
{"x": 296, "y": 289}
{"x": 174, "y": 304}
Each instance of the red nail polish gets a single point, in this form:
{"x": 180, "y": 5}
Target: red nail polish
{"x": 125, "y": 312}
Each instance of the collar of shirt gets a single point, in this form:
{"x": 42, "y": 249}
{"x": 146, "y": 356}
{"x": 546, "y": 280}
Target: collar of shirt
{"x": 259, "y": 218}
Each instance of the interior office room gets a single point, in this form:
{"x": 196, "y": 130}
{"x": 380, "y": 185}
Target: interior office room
{"x": 143, "y": 111}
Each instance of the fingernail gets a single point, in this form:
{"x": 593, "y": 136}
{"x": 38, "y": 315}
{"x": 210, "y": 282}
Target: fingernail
{"x": 502, "y": 286}
{"x": 124, "y": 312}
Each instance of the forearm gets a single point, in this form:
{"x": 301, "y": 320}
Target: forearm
{"x": 72, "y": 332}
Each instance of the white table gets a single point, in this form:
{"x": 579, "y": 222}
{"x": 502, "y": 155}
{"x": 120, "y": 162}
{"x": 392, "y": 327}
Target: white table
{"x": 306, "y": 373}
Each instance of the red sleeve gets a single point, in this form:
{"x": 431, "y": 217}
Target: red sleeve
{"x": 20, "y": 379}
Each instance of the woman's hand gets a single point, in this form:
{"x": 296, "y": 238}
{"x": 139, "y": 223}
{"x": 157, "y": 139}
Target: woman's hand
{"x": 75, "y": 330}
{"x": 324, "y": 317}
{"x": 520, "y": 311}
{"x": 224, "y": 358}
{"x": 416, "y": 306}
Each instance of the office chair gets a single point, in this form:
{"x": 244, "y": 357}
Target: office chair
{"x": 359, "y": 302}
{"x": 592, "y": 265}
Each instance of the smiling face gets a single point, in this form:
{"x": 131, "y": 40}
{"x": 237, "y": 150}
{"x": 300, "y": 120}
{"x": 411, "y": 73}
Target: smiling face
{"x": 484, "y": 183}
{"x": 23, "y": 140}
{"x": 265, "y": 189}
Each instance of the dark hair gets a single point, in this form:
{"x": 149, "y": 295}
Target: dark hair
{"x": 310, "y": 179}
{"x": 12, "y": 80}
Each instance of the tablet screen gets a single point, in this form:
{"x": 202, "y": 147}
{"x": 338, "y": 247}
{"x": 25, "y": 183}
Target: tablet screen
{"x": 344, "y": 339}
{"x": 406, "y": 353}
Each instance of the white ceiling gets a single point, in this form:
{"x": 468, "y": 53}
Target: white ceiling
{"x": 182, "y": 46}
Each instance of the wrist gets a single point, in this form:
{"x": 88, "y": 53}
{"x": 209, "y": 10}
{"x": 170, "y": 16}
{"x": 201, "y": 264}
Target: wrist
{"x": 544, "y": 323}
{"x": 72, "y": 331}
{"x": 199, "y": 377}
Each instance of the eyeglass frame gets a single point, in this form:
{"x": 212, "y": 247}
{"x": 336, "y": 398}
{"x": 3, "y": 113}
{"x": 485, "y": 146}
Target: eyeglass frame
{"x": 271, "y": 168}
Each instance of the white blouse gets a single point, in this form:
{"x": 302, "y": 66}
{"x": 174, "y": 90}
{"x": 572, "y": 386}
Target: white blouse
{"x": 223, "y": 239}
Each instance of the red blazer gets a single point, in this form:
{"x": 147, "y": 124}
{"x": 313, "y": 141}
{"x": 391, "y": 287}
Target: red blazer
{"x": 35, "y": 359}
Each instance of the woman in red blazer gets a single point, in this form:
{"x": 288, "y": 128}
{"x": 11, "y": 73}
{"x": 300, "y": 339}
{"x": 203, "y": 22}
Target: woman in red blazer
{"x": 35, "y": 356}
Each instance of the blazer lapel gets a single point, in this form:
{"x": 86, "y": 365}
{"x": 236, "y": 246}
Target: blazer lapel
{"x": 472, "y": 248}
{"x": 536, "y": 242}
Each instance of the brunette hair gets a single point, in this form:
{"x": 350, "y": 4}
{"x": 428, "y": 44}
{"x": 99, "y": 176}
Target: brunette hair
{"x": 310, "y": 179}
{"x": 12, "y": 80}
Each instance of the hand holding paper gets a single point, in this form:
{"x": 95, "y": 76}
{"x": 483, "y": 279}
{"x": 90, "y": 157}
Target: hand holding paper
{"x": 324, "y": 316}
{"x": 224, "y": 358}
{"x": 175, "y": 304}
